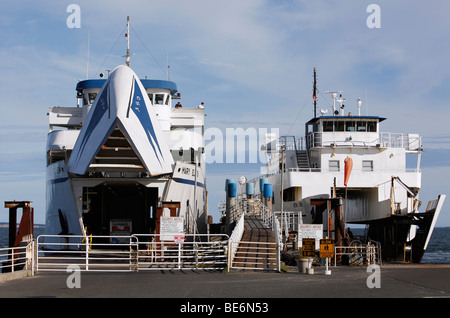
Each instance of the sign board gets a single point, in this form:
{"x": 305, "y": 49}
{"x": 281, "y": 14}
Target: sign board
{"x": 314, "y": 231}
{"x": 308, "y": 247}
{"x": 119, "y": 228}
{"x": 172, "y": 229}
{"x": 326, "y": 248}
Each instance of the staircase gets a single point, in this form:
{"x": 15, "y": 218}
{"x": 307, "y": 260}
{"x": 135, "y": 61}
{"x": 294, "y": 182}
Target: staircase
{"x": 302, "y": 160}
{"x": 257, "y": 249}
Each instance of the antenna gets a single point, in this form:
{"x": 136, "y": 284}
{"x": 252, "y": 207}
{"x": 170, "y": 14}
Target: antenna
{"x": 168, "y": 68}
{"x": 127, "y": 35}
{"x": 341, "y": 101}
{"x": 87, "y": 62}
{"x": 334, "y": 96}
{"x": 314, "y": 94}
{"x": 359, "y": 103}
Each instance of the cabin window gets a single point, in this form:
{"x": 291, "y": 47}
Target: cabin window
{"x": 159, "y": 99}
{"x": 339, "y": 126}
{"x": 92, "y": 97}
{"x": 372, "y": 126}
{"x": 333, "y": 165}
{"x": 367, "y": 165}
{"x": 361, "y": 126}
{"x": 350, "y": 126}
{"x": 327, "y": 126}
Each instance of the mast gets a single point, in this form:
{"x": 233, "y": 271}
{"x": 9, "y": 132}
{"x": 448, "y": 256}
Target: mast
{"x": 314, "y": 94}
{"x": 127, "y": 61}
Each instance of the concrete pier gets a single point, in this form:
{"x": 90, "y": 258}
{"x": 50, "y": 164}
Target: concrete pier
{"x": 395, "y": 281}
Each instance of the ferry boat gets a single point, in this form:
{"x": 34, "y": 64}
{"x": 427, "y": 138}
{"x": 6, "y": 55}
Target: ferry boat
{"x": 345, "y": 170}
{"x": 120, "y": 154}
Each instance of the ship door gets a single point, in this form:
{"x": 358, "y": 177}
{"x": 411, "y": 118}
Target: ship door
{"x": 107, "y": 205}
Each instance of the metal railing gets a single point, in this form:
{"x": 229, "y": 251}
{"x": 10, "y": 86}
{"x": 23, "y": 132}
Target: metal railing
{"x": 89, "y": 253}
{"x": 210, "y": 253}
{"x": 130, "y": 253}
{"x": 236, "y": 237}
{"x": 14, "y": 259}
{"x": 410, "y": 142}
{"x": 360, "y": 254}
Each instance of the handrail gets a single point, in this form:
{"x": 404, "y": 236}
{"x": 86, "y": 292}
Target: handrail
{"x": 367, "y": 254}
{"x": 13, "y": 259}
{"x": 235, "y": 237}
{"x": 385, "y": 139}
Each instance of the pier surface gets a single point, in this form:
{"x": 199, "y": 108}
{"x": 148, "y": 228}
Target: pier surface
{"x": 395, "y": 281}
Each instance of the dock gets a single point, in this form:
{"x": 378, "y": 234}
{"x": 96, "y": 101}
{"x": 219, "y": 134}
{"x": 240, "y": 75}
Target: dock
{"x": 396, "y": 281}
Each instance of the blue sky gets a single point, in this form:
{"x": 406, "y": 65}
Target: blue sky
{"x": 250, "y": 61}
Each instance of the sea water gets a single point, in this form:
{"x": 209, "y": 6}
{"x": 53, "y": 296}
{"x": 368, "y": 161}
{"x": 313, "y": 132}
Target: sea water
{"x": 437, "y": 252}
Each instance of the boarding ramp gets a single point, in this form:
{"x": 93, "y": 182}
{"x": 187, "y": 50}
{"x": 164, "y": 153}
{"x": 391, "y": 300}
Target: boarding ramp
{"x": 254, "y": 243}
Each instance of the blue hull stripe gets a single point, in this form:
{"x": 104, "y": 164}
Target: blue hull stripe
{"x": 190, "y": 182}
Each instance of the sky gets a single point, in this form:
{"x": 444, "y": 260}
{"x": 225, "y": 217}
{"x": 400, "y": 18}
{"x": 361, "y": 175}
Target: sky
{"x": 250, "y": 61}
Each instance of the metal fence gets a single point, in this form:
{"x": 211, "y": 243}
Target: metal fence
{"x": 14, "y": 259}
{"x": 130, "y": 253}
{"x": 89, "y": 253}
{"x": 359, "y": 254}
{"x": 199, "y": 251}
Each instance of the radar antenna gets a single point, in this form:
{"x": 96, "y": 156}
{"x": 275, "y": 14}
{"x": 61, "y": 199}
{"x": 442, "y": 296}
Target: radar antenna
{"x": 334, "y": 95}
{"x": 359, "y": 103}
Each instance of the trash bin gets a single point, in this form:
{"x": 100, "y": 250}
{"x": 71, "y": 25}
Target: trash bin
{"x": 302, "y": 264}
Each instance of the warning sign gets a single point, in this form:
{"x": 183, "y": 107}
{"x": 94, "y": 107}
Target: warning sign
{"x": 310, "y": 231}
{"x": 172, "y": 229}
{"x": 326, "y": 248}
{"x": 308, "y": 247}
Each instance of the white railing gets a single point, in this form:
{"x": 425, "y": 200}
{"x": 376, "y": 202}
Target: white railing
{"x": 130, "y": 253}
{"x": 235, "y": 237}
{"x": 411, "y": 142}
{"x": 89, "y": 253}
{"x": 210, "y": 253}
{"x": 13, "y": 259}
{"x": 278, "y": 235}
{"x": 360, "y": 254}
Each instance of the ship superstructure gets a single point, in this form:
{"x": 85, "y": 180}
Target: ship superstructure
{"x": 375, "y": 174}
{"x": 113, "y": 159}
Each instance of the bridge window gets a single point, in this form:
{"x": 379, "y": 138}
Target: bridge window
{"x": 339, "y": 126}
{"x": 92, "y": 97}
{"x": 327, "y": 126}
{"x": 350, "y": 126}
{"x": 159, "y": 99}
{"x": 361, "y": 126}
{"x": 372, "y": 126}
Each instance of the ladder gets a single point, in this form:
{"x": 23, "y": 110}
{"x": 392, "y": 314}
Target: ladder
{"x": 302, "y": 160}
